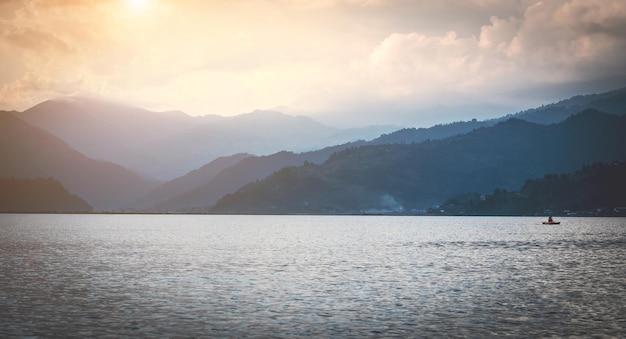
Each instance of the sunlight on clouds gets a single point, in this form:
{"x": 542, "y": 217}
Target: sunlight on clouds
{"x": 230, "y": 57}
{"x": 405, "y": 65}
{"x": 549, "y": 43}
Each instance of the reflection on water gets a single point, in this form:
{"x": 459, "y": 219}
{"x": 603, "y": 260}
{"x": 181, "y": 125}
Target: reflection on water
{"x": 289, "y": 276}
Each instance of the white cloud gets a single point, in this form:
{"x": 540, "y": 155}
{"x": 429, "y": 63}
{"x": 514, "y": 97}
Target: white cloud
{"x": 499, "y": 34}
{"x": 413, "y": 62}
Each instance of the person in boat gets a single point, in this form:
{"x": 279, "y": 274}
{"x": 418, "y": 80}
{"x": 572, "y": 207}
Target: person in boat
{"x": 550, "y": 219}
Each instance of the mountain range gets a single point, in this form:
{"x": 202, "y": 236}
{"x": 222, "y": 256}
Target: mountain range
{"x": 400, "y": 170}
{"x": 613, "y": 102}
{"x": 408, "y": 178}
{"x": 250, "y": 169}
{"x": 166, "y": 145}
{"x": 28, "y": 152}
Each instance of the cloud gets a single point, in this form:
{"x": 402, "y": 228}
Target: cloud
{"x": 499, "y": 34}
{"x": 571, "y": 33}
{"x": 405, "y": 64}
{"x": 556, "y": 43}
{"x": 342, "y": 56}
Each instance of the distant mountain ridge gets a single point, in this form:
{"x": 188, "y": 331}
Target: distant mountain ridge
{"x": 188, "y": 182}
{"x": 613, "y": 102}
{"x": 31, "y": 152}
{"x": 207, "y": 193}
{"x": 169, "y": 144}
{"x": 28, "y": 152}
{"x": 441, "y": 131}
{"x": 249, "y": 169}
{"x": 401, "y": 178}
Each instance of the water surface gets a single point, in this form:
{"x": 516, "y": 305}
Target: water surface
{"x": 322, "y": 276}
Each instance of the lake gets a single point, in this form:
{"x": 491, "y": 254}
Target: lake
{"x": 319, "y": 276}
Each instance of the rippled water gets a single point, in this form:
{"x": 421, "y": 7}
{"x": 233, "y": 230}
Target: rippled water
{"x": 321, "y": 276}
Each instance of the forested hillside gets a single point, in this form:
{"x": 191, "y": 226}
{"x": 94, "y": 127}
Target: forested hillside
{"x": 598, "y": 189}
{"x": 410, "y": 178}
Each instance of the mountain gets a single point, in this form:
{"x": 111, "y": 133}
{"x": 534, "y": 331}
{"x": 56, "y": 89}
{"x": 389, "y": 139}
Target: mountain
{"x": 441, "y": 131}
{"x": 207, "y": 193}
{"x": 228, "y": 180}
{"x": 166, "y": 145}
{"x": 114, "y": 132}
{"x": 28, "y": 152}
{"x": 598, "y": 189}
{"x": 613, "y": 102}
{"x": 189, "y": 181}
{"x": 404, "y": 178}
{"x": 169, "y": 144}
{"x": 38, "y": 196}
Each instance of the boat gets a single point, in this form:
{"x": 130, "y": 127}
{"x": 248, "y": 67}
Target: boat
{"x": 550, "y": 221}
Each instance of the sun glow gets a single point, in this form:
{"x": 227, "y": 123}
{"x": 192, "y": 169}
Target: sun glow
{"x": 138, "y": 4}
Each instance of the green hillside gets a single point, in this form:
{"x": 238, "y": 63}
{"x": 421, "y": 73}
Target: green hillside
{"x": 410, "y": 178}
{"x": 598, "y": 189}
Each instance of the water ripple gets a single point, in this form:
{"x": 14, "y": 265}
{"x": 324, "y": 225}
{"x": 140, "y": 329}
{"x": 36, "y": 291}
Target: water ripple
{"x": 282, "y": 277}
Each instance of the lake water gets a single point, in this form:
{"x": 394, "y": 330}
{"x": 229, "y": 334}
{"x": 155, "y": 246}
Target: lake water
{"x": 319, "y": 276}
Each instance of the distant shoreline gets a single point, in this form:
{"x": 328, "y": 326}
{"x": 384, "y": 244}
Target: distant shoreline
{"x": 622, "y": 215}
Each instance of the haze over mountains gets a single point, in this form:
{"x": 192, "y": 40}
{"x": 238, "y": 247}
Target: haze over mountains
{"x": 165, "y": 145}
{"x": 613, "y": 102}
{"x": 403, "y": 171}
{"x": 396, "y": 178}
{"x": 250, "y": 169}
{"x": 28, "y": 152}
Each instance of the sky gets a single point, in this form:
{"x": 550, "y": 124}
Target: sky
{"x": 343, "y": 62}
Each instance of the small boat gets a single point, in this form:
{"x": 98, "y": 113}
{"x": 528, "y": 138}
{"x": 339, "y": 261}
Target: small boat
{"x": 550, "y": 221}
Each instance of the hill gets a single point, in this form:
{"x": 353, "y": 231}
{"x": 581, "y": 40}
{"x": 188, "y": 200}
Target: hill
{"x": 598, "y": 189}
{"x": 207, "y": 192}
{"x": 408, "y": 178}
{"x": 28, "y": 152}
{"x": 38, "y": 196}
{"x": 441, "y": 131}
{"x": 249, "y": 169}
{"x": 613, "y": 102}
{"x": 109, "y": 131}
{"x": 166, "y": 145}
{"x": 188, "y": 182}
